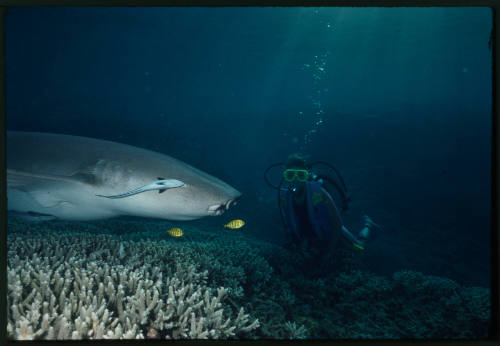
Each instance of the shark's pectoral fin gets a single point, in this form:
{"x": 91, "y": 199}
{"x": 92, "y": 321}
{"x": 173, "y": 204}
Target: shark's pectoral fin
{"x": 32, "y": 216}
{"x": 160, "y": 185}
{"x": 47, "y": 199}
{"x": 42, "y": 188}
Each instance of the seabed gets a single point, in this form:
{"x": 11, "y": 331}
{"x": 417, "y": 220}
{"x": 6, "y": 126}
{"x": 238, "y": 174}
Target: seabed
{"x": 117, "y": 279}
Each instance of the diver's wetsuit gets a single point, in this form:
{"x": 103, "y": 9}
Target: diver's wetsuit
{"x": 306, "y": 228}
{"x": 303, "y": 219}
{"x": 309, "y": 237}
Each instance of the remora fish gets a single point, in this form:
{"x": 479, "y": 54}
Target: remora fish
{"x": 79, "y": 178}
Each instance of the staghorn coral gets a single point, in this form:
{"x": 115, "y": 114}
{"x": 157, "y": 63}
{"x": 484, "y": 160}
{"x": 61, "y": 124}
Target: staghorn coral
{"x": 325, "y": 295}
{"x": 295, "y": 331}
{"x": 94, "y": 286}
{"x": 233, "y": 263}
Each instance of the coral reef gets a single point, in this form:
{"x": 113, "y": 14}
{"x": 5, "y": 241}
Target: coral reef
{"x": 333, "y": 299}
{"x": 128, "y": 279}
{"x": 296, "y": 332}
{"x": 63, "y": 286}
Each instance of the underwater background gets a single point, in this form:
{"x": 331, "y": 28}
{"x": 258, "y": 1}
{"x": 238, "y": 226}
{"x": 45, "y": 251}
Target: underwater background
{"x": 399, "y": 100}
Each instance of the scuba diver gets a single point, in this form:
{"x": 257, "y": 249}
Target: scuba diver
{"x": 308, "y": 210}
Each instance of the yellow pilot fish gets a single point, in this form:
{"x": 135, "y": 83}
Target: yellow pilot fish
{"x": 175, "y": 232}
{"x": 235, "y": 224}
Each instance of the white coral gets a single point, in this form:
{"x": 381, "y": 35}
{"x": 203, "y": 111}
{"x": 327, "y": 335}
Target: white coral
{"x": 296, "y": 332}
{"x": 54, "y": 295}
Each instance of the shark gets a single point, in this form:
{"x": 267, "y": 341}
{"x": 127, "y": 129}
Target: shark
{"x": 78, "y": 178}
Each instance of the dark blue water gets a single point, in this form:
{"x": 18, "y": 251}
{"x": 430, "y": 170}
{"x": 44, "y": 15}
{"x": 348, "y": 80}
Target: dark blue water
{"x": 398, "y": 99}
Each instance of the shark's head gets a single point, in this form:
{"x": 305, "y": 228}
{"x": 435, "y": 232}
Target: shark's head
{"x": 191, "y": 201}
{"x": 200, "y": 195}
{"x": 206, "y": 199}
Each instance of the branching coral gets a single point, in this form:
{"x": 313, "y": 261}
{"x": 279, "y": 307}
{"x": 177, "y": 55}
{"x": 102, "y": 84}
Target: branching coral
{"x": 74, "y": 286}
{"x": 296, "y": 332}
{"x": 159, "y": 287}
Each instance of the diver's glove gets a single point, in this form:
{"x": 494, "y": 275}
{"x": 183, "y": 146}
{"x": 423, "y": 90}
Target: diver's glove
{"x": 369, "y": 225}
{"x": 369, "y": 222}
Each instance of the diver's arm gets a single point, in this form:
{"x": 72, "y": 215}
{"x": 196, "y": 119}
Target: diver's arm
{"x": 346, "y": 234}
{"x": 363, "y": 235}
{"x": 351, "y": 237}
{"x": 335, "y": 215}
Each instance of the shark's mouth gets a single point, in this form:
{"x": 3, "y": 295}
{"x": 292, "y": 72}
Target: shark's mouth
{"x": 219, "y": 209}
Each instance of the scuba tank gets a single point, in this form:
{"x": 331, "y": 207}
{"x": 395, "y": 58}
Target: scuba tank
{"x": 339, "y": 185}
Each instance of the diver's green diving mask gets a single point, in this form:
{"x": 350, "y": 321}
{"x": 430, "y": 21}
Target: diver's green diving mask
{"x": 292, "y": 174}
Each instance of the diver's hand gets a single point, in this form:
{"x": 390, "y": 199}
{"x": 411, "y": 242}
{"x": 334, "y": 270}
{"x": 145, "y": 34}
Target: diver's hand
{"x": 365, "y": 233}
{"x": 369, "y": 222}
